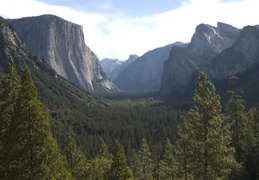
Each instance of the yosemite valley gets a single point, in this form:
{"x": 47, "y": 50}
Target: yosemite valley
{"x": 182, "y": 111}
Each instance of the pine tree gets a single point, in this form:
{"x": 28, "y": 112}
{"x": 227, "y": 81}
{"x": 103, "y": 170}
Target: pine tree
{"x": 147, "y": 165}
{"x": 11, "y": 86}
{"x": 236, "y": 117}
{"x": 101, "y": 164}
{"x": 119, "y": 169}
{"x": 168, "y": 166}
{"x": 135, "y": 164}
{"x": 209, "y": 137}
{"x": 103, "y": 151}
{"x": 76, "y": 160}
{"x": 182, "y": 149}
{"x": 33, "y": 152}
{"x": 250, "y": 148}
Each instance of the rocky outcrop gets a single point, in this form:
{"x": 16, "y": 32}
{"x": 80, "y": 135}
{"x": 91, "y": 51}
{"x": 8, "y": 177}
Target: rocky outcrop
{"x": 61, "y": 44}
{"x": 145, "y": 73}
{"x": 239, "y": 57}
{"x": 209, "y": 40}
{"x": 10, "y": 44}
{"x": 113, "y": 67}
{"x": 183, "y": 65}
{"x": 178, "y": 70}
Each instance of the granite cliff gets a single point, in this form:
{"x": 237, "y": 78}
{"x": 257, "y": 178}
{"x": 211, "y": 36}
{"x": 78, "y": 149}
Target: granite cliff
{"x": 209, "y": 40}
{"x": 61, "y": 44}
{"x": 52, "y": 89}
{"x": 183, "y": 64}
{"x": 242, "y": 55}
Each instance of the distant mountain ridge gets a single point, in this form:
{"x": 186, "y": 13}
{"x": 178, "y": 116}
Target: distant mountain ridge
{"x": 61, "y": 44}
{"x": 145, "y": 73}
{"x": 148, "y": 72}
{"x": 220, "y": 52}
{"x": 113, "y": 67}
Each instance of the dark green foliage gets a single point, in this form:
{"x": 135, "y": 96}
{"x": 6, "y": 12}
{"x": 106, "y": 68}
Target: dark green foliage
{"x": 250, "y": 155}
{"x": 236, "y": 117}
{"x": 11, "y": 85}
{"x": 76, "y": 160}
{"x": 103, "y": 151}
{"x": 129, "y": 121}
{"x": 208, "y": 136}
{"x": 29, "y": 150}
{"x": 243, "y": 128}
{"x": 182, "y": 149}
{"x": 146, "y": 162}
{"x": 168, "y": 167}
{"x": 135, "y": 164}
{"x": 119, "y": 169}
{"x": 101, "y": 164}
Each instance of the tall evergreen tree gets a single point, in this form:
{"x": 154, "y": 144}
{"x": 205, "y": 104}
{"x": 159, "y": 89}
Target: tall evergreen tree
{"x": 101, "y": 164}
{"x": 11, "y": 86}
{"x": 103, "y": 151}
{"x": 183, "y": 150}
{"x": 76, "y": 159}
{"x": 119, "y": 169}
{"x": 146, "y": 162}
{"x": 135, "y": 164}
{"x": 168, "y": 166}
{"x": 209, "y": 137}
{"x": 236, "y": 117}
{"x": 33, "y": 152}
{"x": 250, "y": 146}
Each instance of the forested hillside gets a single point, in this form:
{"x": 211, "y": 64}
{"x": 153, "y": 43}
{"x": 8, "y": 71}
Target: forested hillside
{"x": 128, "y": 139}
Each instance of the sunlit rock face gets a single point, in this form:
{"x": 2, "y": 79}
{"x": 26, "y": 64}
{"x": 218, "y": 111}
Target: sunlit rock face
{"x": 212, "y": 40}
{"x": 61, "y": 44}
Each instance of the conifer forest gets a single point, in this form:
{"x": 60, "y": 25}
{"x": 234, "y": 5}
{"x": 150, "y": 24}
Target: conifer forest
{"x": 126, "y": 136}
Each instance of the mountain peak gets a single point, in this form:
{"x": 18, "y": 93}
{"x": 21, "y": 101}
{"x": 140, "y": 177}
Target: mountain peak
{"x": 248, "y": 42}
{"x": 208, "y": 39}
{"x": 61, "y": 44}
{"x": 113, "y": 67}
{"x": 183, "y": 65}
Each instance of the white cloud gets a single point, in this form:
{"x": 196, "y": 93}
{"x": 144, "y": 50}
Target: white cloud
{"x": 140, "y": 35}
{"x": 115, "y": 36}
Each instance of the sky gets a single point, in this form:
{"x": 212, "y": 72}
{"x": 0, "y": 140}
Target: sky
{"x": 118, "y": 28}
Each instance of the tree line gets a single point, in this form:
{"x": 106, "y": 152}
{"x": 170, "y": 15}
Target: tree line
{"x": 207, "y": 142}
